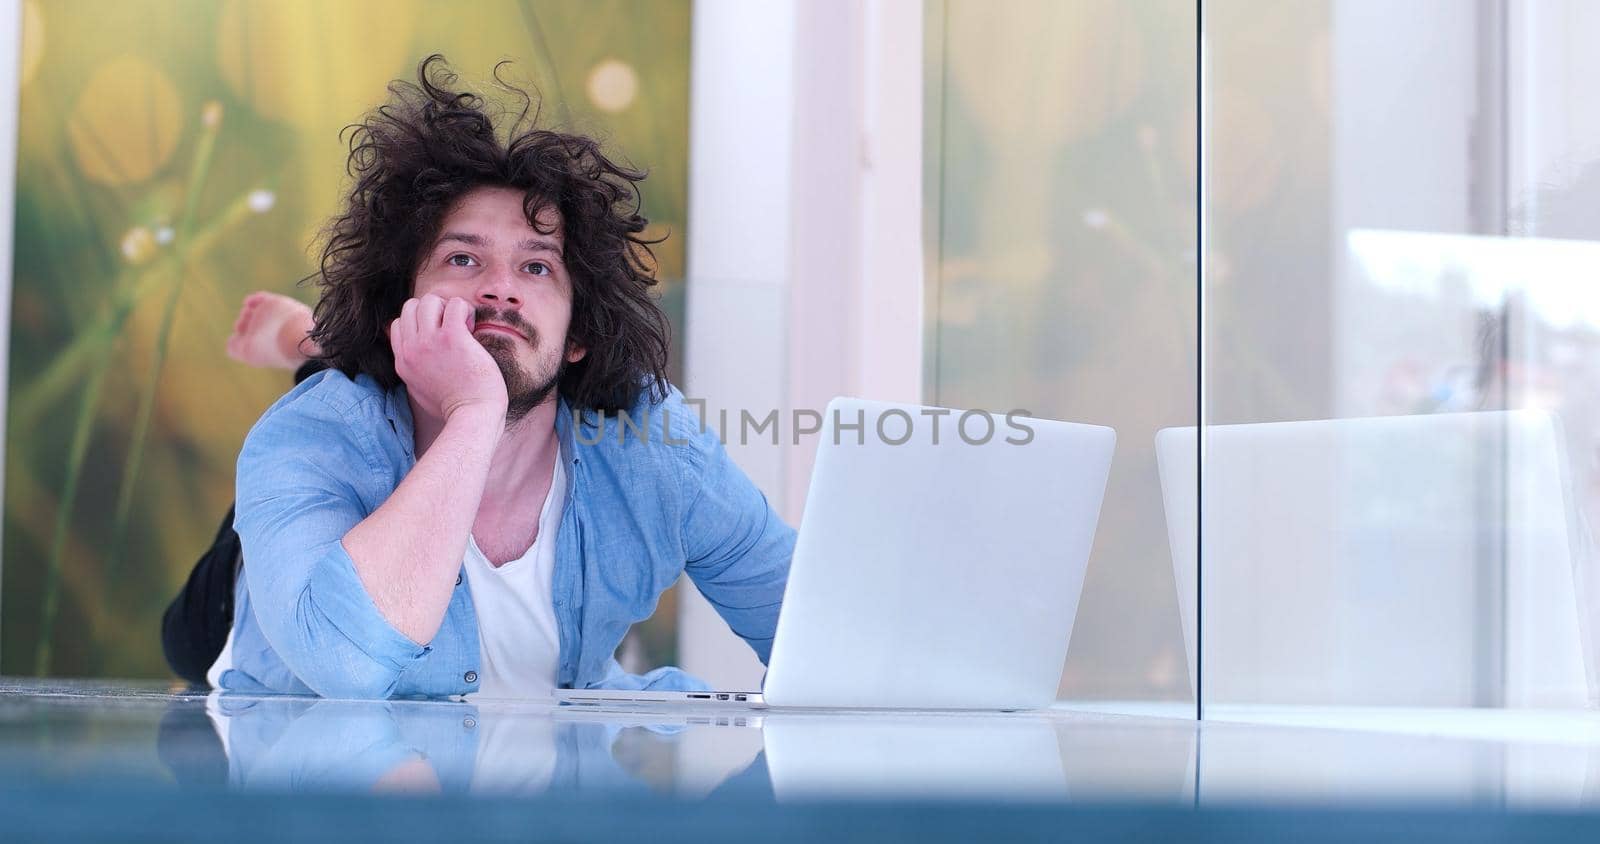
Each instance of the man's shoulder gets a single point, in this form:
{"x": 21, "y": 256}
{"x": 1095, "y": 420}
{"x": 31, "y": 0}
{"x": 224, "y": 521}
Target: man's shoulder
{"x": 334, "y": 389}
{"x": 329, "y": 429}
{"x": 328, "y": 401}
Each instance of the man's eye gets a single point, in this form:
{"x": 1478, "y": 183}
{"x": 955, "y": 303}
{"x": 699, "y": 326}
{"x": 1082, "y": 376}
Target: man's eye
{"x": 538, "y": 268}
{"x": 459, "y": 260}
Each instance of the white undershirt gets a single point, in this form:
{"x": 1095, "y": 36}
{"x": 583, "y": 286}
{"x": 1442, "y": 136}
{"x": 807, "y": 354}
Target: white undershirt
{"x": 519, "y": 646}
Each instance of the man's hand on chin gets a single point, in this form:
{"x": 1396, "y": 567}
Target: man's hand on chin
{"x": 445, "y": 369}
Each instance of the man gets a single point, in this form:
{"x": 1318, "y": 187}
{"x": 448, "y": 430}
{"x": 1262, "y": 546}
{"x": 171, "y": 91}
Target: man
{"x": 493, "y": 480}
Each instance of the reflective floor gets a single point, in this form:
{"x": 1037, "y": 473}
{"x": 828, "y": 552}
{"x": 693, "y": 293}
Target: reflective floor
{"x": 61, "y": 737}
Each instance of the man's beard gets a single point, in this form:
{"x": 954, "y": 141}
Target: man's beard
{"x": 523, "y": 391}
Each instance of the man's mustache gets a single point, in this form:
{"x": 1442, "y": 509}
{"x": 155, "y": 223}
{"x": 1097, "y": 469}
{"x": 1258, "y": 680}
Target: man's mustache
{"x": 509, "y": 319}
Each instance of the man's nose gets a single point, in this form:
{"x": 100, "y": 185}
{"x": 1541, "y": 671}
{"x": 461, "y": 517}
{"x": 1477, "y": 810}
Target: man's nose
{"x": 498, "y": 290}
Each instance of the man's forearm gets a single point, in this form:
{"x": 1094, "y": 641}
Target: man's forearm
{"x": 409, "y": 551}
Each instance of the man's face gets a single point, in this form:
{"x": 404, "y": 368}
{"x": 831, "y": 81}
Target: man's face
{"x": 487, "y": 254}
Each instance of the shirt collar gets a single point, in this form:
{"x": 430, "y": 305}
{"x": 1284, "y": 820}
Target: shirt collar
{"x": 569, "y": 451}
{"x": 397, "y": 409}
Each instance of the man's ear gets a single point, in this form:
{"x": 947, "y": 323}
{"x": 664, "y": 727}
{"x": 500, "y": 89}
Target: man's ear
{"x": 575, "y": 352}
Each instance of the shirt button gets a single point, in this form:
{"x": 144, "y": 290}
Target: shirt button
{"x": 471, "y": 677}
{"x": 458, "y": 580}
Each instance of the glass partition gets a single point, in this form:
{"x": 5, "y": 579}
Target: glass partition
{"x": 1401, "y": 327}
{"x": 1061, "y": 232}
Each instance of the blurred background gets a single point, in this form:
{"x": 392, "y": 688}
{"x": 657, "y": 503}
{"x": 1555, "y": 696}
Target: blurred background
{"x": 176, "y": 155}
{"x": 1384, "y": 347}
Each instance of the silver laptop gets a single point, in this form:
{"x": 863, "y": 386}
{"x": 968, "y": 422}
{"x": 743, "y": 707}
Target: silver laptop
{"x": 1403, "y": 560}
{"x": 938, "y": 566}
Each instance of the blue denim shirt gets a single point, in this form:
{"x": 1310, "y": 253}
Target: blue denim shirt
{"x": 303, "y": 744}
{"x": 645, "y": 502}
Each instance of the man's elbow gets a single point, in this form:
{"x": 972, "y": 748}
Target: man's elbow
{"x": 375, "y": 684}
{"x": 343, "y": 672}
{"x": 333, "y": 664}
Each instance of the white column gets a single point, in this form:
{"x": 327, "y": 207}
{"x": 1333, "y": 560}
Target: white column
{"x": 740, "y": 130}
{"x": 856, "y": 305}
{"x": 805, "y": 243}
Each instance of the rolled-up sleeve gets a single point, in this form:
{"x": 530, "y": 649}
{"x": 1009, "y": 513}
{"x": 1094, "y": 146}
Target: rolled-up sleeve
{"x": 301, "y": 473}
{"x": 736, "y": 548}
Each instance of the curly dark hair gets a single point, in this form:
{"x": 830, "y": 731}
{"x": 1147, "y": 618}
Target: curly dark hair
{"x": 413, "y": 158}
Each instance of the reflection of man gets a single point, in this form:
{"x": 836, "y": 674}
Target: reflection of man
{"x": 458, "y": 505}
{"x": 284, "y": 743}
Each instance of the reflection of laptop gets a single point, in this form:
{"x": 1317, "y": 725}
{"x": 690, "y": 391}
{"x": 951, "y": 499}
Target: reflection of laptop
{"x": 938, "y": 565}
{"x": 1013, "y": 758}
{"x": 1406, "y": 560}
{"x": 656, "y": 719}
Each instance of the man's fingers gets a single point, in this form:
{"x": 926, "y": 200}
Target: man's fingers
{"x": 458, "y": 311}
{"x": 408, "y": 314}
{"x": 402, "y": 328}
{"x": 430, "y": 314}
{"x": 397, "y": 342}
